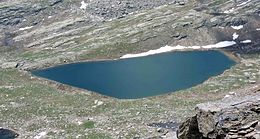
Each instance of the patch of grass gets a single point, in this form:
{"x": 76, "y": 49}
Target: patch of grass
{"x": 89, "y": 124}
{"x": 110, "y": 51}
{"x": 36, "y": 55}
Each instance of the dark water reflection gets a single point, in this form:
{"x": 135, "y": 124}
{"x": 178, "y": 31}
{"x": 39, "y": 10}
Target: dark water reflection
{"x": 7, "y": 134}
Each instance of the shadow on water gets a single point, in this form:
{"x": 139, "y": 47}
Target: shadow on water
{"x": 8, "y": 134}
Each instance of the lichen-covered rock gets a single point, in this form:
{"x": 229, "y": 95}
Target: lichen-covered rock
{"x": 226, "y": 119}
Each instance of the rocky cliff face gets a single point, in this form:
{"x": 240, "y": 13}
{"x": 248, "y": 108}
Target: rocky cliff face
{"x": 231, "y": 118}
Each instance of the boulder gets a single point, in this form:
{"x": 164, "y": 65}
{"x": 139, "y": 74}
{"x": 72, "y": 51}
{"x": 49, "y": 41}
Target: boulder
{"x": 237, "y": 117}
{"x": 8, "y": 65}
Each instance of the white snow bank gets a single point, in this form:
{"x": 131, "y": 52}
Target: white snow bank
{"x": 83, "y": 5}
{"x": 235, "y": 36}
{"x": 194, "y": 47}
{"x": 40, "y": 135}
{"x": 220, "y": 45}
{"x": 152, "y": 52}
{"x": 237, "y": 27}
{"x": 25, "y": 28}
{"x": 179, "y": 47}
{"x": 246, "y": 41}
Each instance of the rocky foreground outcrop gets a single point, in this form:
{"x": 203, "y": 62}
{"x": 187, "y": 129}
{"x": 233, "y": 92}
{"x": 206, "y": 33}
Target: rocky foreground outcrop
{"x": 230, "y": 118}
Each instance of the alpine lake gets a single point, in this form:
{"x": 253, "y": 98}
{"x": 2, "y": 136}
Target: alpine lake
{"x": 142, "y": 76}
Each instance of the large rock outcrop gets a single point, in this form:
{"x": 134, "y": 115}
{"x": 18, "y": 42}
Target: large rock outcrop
{"x": 230, "y": 118}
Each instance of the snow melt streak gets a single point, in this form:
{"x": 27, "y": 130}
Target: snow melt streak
{"x": 237, "y": 27}
{"x": 246, "y": 41}
{"x": 25, "y": 28}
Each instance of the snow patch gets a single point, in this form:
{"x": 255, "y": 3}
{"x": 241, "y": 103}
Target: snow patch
{"x": 243, "y": 3}
{"x": 235, "y": 36}
{"x": 227, "y": 96}
{"x": 83, "y": 5}
{"x": 49, "y": 17}
{"x": 246, "y": 41}
{"x": 156, "y": 51}
{"x": 194, "y": 47}
{"x": 25, "y": 28}
{"x": 220, "y": 45}
{"x": 229, "y": 11}
{"x": 237, "y": 27}
{"x": 40, "y": 135}
{"x": 80, "y": 123}
{"x": 258, "y": 29}
{"x": 97, "y": 103}
{"x": 78, "y": 136}
{"x": 179, "y": 47}
{"x": 232, "y": 93}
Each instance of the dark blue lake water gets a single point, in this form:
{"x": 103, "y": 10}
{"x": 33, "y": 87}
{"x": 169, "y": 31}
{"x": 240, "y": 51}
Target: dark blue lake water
{"x": 143, "y": 76}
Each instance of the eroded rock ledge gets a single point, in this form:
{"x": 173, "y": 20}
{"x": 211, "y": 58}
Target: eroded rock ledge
{"x": 234, "y": 117}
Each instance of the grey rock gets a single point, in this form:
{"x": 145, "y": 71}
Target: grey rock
{"x": 189, "y": 129}
{"x": 121, "y": 8}
{"x": 230, "y": 118}
{"x": 7, "y": 40}
{"x": 8, "y": 65}
{"x": 236, "y": 21}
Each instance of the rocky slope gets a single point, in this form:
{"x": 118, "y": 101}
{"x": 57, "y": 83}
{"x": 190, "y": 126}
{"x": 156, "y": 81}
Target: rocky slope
{"x": 40, "y": 33}
{"x": 230, "y": 118}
